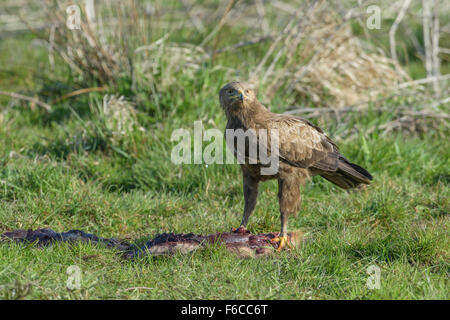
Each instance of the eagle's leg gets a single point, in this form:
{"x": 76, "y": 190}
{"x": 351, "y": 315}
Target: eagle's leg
{"x": 250, "y": 187}
{"x": 289, "y": 200}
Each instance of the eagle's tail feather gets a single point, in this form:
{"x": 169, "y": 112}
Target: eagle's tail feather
{"x": 348, "y": 175}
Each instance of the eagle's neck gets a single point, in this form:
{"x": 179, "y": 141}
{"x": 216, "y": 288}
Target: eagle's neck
{"x": 250, "y": 115}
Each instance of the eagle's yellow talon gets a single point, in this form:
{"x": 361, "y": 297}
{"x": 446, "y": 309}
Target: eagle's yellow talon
{"x": 282, "y": 242}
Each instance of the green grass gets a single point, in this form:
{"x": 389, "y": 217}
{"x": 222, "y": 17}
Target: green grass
{"x": 400, "y": 223}
{"x": 68, "y": 170}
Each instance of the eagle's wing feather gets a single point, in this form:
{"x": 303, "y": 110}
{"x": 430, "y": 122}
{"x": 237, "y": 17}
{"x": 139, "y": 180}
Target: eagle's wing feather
{"x": 305, "y": 145}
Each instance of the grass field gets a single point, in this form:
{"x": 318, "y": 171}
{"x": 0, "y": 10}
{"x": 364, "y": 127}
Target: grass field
{"x": 108, "y": 171}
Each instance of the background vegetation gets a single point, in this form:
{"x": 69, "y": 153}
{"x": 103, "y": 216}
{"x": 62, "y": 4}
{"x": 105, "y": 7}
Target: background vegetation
{"x": 86, "y": 118}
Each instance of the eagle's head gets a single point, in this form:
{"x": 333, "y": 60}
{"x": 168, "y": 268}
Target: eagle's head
{"x": 236, "y": 95}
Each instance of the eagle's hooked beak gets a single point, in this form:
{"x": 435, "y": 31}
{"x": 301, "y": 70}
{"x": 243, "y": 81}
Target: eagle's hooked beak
{"x": 240, "y": 95}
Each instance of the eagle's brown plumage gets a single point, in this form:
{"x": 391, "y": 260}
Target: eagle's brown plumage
{"x": 304, "y": 150}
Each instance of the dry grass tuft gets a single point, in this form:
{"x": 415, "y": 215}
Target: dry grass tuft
{"x": 169, "y": 59}
{"x": 313, "y": 57}
{"x": 119, "y": 115}
{"x": 317, "y": 57}
{"x": 96, "y": 51}
{"x": 121, "y": 41}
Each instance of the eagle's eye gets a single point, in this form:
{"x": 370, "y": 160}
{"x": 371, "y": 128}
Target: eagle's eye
{"x": 247, "y": 91}
{"x": 230, "y": 91}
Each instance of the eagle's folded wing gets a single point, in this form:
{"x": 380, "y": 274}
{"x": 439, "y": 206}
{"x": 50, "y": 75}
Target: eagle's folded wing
{"x": 304, "y": 145}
